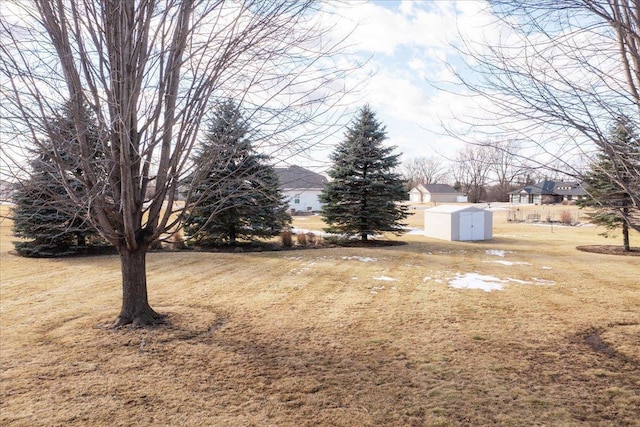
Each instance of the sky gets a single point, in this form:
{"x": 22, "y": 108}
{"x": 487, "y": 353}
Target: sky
{"x": 407, "y": 47}
{"x": 407, "y": 56}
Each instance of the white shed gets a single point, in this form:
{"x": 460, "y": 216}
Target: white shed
{"x": 448, "y": 222}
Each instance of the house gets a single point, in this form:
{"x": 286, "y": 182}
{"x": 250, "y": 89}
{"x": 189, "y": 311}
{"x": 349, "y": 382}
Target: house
{"x": 548, "y": 192}
{"x": 458, "y": 223}
{"x": 436, "y": 193}
{"x": 301, "y": 187}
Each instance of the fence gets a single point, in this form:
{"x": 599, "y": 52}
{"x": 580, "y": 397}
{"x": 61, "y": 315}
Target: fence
{"x": 565, "y": 216}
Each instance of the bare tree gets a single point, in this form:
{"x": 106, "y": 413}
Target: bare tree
{"x": 555, "y": 74}
{"x": 507, "y": 169}
{"x": 148, "y": 70}
{"x": 471, "y": 171}
{"x": 424, "y": 170}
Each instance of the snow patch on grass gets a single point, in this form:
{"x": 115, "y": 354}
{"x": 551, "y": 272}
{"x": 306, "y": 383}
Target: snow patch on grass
{"x": 361, "y": 258}
{"x": 477, "y": 281}
{"x": 490, "y": 283}
{"x": 505, "y": 262}
{"x": 384, "y": 278}
{"x": 495, "y": 252}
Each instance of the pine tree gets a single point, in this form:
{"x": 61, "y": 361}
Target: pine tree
{"x": 361, "y": 197}
{"x": 237, "y": 193}
{"x": 610, "y": 175}
{"x": 41, "y": 212}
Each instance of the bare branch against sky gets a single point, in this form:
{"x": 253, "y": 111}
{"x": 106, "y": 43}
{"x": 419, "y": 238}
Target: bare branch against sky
{"x": 149, "y": 71}
{"x": 555, "y": 78}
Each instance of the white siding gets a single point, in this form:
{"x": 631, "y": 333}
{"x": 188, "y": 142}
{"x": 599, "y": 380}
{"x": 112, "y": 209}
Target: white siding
{"x": 449, "y": 222}
{"x": 303, "y": 200}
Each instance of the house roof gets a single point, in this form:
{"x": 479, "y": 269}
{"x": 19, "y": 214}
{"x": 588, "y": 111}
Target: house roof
{"x": 299, "y": 178}
{"x": 439, "y": 189}
{"x": 560, "y": 188}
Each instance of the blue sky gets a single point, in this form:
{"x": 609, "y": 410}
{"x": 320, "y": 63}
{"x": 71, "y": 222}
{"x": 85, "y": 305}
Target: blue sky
{"x": 409, "y": 46}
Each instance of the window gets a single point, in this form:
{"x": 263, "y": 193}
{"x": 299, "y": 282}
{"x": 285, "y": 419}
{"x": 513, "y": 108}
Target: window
{"x": 296, "y": 199}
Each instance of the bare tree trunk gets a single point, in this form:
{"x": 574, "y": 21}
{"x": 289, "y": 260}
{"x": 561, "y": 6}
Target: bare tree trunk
{"x": 625, "y": 230}
{"x": 135, "y": 305}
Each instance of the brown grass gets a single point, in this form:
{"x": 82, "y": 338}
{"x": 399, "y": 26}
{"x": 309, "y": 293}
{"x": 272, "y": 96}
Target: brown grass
{"x": 315, "y": 337}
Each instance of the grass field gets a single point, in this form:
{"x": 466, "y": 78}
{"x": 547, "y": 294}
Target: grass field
{"x": 332, "y": 336}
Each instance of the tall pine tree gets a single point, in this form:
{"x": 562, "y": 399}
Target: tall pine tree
{"x": 237, "y": 195}
{"x": 614, "y": 171}
{"x": 41, "y": 213}
{"x": 362, "y": 196}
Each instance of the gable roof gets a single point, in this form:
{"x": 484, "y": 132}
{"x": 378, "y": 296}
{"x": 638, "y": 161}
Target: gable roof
{"x": 439, "y": 189}
{"x": 553, "y": 188}
{"x": 299, "y": 178}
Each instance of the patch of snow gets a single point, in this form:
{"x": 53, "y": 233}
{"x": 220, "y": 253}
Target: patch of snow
{"x": 495, "y": 252}
{"x": 385, "y": 278}
{"x": 426, "y": 279}
{"x": 296, "y": 230}
{"x": 522, "y": 282}
{"x": 361, "y": 258}
{"x": 477, "y": 281}
{"x": 505, "y": 262}
{"x": 418, "y": 231}
{"x": 544, "y": 267}
{"x": 543, "y": 281}
{"x": 489, "y": 283}
{"x": 375, "y": 289}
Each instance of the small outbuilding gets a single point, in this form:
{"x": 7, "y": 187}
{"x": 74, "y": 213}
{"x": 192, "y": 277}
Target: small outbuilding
{"x": 436, "y": 193}
{"x": 463, "y": 223}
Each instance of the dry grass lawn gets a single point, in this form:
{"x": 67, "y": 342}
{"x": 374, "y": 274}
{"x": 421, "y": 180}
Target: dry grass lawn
{"x": 330, "y": 337}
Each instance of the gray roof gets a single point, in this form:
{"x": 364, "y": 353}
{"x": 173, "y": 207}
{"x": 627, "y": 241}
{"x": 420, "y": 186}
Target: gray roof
{"x": 440, "y": 189}
{"x": 299, "y": 178}
{"x": 560, "y": 188}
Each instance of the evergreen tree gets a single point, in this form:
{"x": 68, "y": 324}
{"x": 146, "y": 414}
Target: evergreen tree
{"x": 607, "y": 181}
{"x": 237, "y": 193}
{"x": 41, "y": 213}
{"x": 361, "y": 197}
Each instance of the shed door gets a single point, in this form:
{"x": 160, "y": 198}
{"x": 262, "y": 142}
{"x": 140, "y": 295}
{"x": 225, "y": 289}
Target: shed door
{"x": 471, "y": 225}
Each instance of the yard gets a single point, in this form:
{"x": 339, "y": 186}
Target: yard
{"x": 406, "y": 335}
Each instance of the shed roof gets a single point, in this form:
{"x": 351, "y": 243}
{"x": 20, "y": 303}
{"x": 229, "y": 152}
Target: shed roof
{"x": 453, "y": 208}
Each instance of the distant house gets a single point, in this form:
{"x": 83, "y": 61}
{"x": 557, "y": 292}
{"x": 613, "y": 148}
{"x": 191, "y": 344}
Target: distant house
{"x": 436, "y": 193}
{"x": 548, "y": 192}
{"x": 301, "y": 187}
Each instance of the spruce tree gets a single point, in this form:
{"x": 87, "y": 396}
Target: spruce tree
{"x": 607, "y": 180}
{"x": 237, "y": 194}
{"x": 41, "y": 213}
{"x": 361, "y": 199}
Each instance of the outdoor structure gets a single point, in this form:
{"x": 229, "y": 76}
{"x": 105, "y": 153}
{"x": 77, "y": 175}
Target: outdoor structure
{"x": 548, "y": 192}
{"x": 301, "y": 187}
{"x": 463, "y": 223}
{"x": 436, "y": 193}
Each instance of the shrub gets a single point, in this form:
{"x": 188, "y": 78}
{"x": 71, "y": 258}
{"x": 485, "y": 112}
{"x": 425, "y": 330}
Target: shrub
{"x": 302, "y": 239}
{"x": 286, "y": 238}
{"x": 311, "y": 238}
{"x": 178, "y": 241}
{"x": 565, "y": 217}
